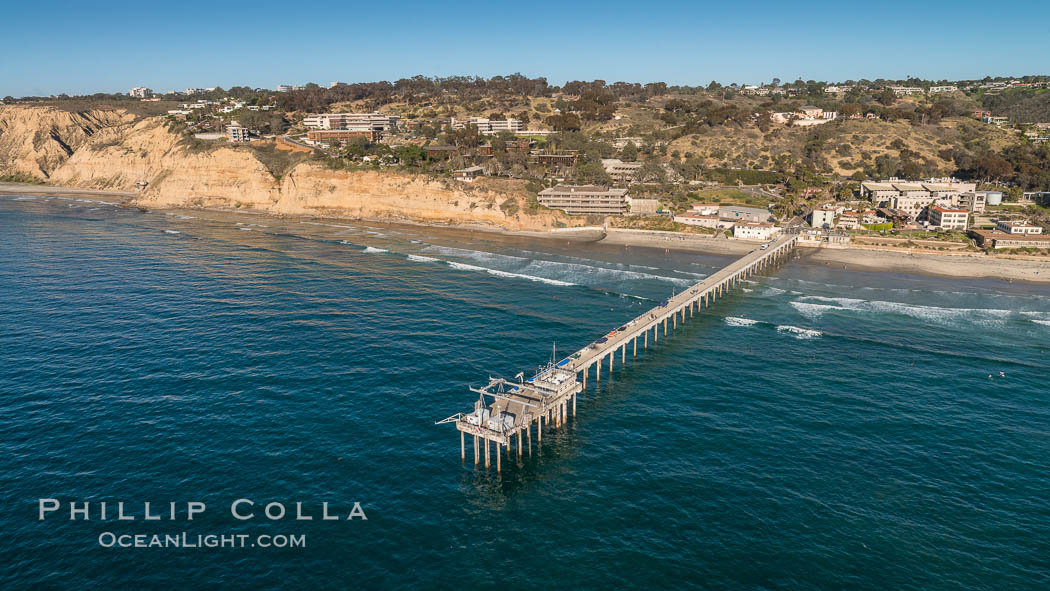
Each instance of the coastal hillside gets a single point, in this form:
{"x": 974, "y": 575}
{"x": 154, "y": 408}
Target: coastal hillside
{"x": 111, "y": 150}
{"x": 845, "y": 147}
{"x": 35, "y": 141}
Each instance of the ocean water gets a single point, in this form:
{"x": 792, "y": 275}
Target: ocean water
{"x": 818, "y": 429}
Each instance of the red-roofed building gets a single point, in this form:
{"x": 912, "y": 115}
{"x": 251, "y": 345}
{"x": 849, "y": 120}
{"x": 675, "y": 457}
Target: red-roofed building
{"x": 949, "y": 219}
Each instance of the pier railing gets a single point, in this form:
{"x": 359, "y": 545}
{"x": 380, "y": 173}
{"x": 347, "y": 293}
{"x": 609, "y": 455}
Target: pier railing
{"x": 506, "y": 408}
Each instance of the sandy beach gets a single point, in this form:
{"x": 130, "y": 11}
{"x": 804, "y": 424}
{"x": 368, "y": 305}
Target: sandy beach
{"x": 23, "y": 189}
{"x": 963, "y": 265}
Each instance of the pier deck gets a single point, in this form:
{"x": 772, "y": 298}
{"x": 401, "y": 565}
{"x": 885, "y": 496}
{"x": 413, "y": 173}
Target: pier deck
{"x": 546, "y": 397}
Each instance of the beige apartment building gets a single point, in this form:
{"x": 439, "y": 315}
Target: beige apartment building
{"x": 585, "y": 199}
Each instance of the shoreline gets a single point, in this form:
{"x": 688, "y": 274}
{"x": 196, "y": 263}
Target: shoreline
{"x": 958, "y": 266}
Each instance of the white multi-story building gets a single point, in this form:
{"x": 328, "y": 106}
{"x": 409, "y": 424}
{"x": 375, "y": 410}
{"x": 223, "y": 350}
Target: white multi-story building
{"x": 936, "y": 89}
{"x": 352, "y": 121}
{"x": 820, "y": 216}
{"x": 974, "y": 201}
{"x": 1017, "y": 227}
{"x": 903, "y": 90}
{"x": 849, "y": 220}
{"x": 237, "y": 133}
{"x": 193, "y": 91}
{"x": 912, "y": 197}
{"x": 948, "y": 219}
{"x": 754, "y": 230}
{"x": 141, "y": 92}
{"x": 287, "y": 87}
{"x": 489, "y": 126}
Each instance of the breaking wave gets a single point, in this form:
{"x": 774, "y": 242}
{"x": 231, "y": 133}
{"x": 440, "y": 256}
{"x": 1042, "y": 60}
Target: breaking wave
{"x": 806, "y": 306}
{"x": 372, "y": 249}
{"x": 423, "y": 259}
{"x": 733, "y": 321}
{"x": 799, "y": 333}
{"x": 568, "y": 273}
{"x": 498, "y": 273}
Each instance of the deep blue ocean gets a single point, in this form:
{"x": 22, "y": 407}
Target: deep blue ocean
{"x": 818, "y": 429}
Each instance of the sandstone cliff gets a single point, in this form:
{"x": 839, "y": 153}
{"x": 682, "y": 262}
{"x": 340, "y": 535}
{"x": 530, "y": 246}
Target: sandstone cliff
{"x": 109, "y": 150}
{"x": 34, "y": 141}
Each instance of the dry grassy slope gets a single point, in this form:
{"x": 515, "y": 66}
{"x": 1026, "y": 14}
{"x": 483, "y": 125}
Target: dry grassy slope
{"x": 851, "y": 144}
{"x": 37, "y": 140}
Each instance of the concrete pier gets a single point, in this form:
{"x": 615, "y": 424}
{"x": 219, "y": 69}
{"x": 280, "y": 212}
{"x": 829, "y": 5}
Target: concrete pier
{"x": 505, "y": 408}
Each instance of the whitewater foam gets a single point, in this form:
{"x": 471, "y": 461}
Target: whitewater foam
{"x": 733, "y": 321}
{"x": 172, "y": 232}
{"x": 937, "y": 314}
{"x": 568, "y": 273}
{"x": 799, "y": 333}
{"x": 372, "y": 249}
{"x": 422, "y": 259}
{"x": 813, "y": 311}
{"x": 498, "y": 273}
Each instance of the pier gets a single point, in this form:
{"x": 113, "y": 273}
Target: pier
{"x": 509, "y": 411}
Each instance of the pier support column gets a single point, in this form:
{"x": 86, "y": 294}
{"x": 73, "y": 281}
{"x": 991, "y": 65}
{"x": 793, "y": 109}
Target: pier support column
{"x": 519, "y": 444}
{"x": 611, "y": 363}
{"x": 656, "y": 333}
{"x": 539, "y": 430}
{"x": 623, "y": 354}
{"x": 597, "y": 372}
{"x": 574, "y": 405}
{"x": 691, "y": 305}
{"x": 462, "y": 446}
{"x": 528, "y": 435}
{"x": 499, "y": 454}
{"x": 486, "y": 439}
{"x": 645, "y": 340}
{"x": 674, "y": 321}
{"x": 665, "y": 327}
{"x": 476, "y": 450}
{"x": 634, "y": 343}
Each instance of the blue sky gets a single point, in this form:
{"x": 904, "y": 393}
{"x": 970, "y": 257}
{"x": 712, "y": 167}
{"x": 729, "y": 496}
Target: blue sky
{"x": 48, "y": 48}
